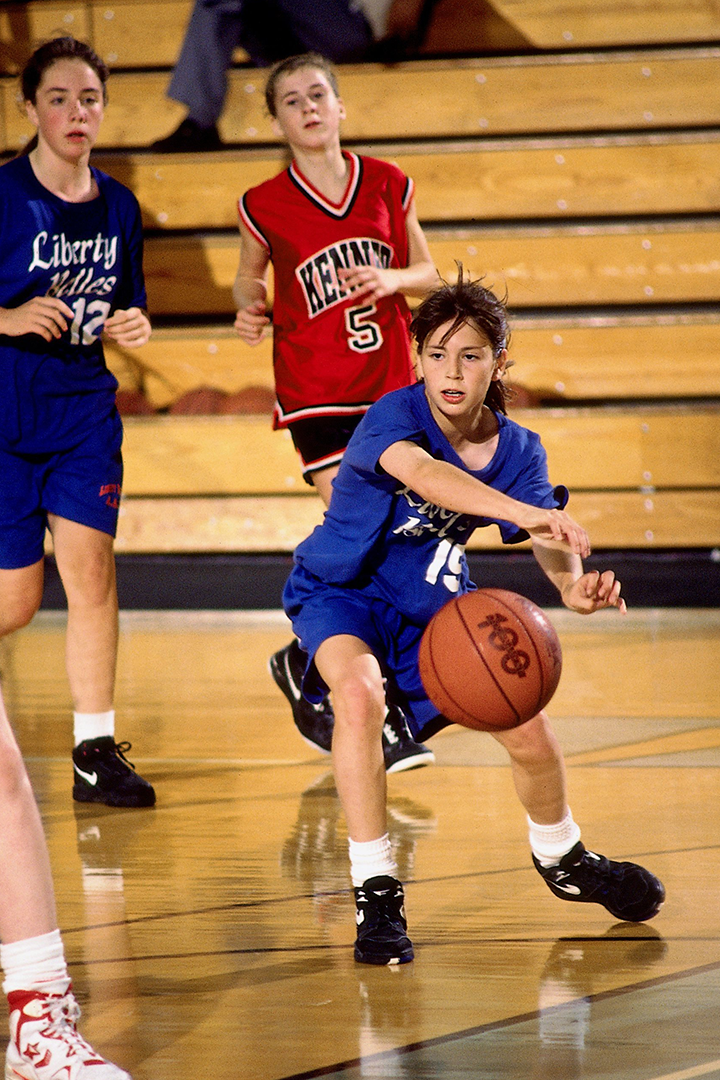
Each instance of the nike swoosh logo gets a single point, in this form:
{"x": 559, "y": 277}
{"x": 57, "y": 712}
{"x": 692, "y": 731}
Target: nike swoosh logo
{"x": 572, "y": 889}
{"x": 296, "y": 692}
{"x": 91, "y": 777}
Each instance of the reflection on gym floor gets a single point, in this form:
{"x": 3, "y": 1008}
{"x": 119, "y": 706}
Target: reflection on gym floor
{"x": 212, "y": 935}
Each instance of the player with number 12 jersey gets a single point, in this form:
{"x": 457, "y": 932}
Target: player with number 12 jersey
{"x": 89, "y": 255}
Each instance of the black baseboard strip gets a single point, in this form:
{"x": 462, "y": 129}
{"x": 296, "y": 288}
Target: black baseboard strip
{"x": 677, "y": 578}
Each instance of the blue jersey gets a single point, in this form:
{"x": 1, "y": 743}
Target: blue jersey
{"x": 90, "y": 255}
{"x": 382, "y": 538}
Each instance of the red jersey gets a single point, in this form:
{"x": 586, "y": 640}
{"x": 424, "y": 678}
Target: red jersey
{"x": 333, "y": 356}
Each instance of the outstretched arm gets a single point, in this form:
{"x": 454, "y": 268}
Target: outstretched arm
{"x": 580, "y": 591}
{"x": 445, "y": 485}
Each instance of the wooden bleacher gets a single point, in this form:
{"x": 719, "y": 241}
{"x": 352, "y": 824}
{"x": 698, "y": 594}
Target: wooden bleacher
{"x": 148, "y": 33}
{"x": 557, "y": 24}
{"x": 233, "y": 485}
{"x": 582, "y": 182}
{"x": 668, "y": 89}
{"x": 553, "y": 266}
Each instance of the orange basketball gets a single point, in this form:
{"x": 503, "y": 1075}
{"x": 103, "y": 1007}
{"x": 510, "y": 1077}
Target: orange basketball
{"x": 490, "y": 659}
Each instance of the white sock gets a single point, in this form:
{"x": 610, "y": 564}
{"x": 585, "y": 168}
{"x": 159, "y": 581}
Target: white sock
{"x": 372, "y": 858}
{"x": 93, "y": 725}
{"x": 550, "y": 842}
{"x": 36, "y": 963}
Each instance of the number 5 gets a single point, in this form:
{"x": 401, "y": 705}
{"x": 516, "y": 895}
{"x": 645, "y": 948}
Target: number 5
{"x": 363, "y": 335}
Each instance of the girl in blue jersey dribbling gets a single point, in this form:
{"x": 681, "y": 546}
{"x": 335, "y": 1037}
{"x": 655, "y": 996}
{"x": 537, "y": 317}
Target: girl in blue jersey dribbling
{"x": 70, "y": 270}
{"x": 427, "y": 465}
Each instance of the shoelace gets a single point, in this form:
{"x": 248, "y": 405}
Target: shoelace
{"x": 63, "y": 1014}
{"x": 121, "y": 749}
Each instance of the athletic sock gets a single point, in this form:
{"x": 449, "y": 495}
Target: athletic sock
{"x": 372, "y": 858}
{"x": 550, "y": 842}
{"x": 93, "y": 725}
{"x": 36, "y": 963}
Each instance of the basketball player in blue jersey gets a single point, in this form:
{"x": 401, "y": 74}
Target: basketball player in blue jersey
{"x": 70, "y": 270}
{"x": 427, "y": 465}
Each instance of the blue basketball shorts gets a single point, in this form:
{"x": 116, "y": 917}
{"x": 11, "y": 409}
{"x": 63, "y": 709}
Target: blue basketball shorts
{"x": 319, "y": 611}
{"x": 82, "y": 484}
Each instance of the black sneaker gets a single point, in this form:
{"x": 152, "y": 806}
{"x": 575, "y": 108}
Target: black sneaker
{"x": 314, "y": 722}
{"x": 189, "y": 138}
{"x": 400, "y": 750}
{"x": 628, "y": 891}
{"x": 381, "y": 924}
{"x": 104, "y": 775}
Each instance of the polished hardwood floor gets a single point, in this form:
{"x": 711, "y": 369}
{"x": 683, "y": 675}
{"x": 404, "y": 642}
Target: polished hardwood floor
{"x": 212, "y": 936}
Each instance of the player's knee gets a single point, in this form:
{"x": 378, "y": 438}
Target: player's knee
{"x": 18, "y": 612}
{"x": 530, "y": 742}
{"x": 360, "y": 702}
{"x": 93, "y": 585}
{"x": 14, "y": 783}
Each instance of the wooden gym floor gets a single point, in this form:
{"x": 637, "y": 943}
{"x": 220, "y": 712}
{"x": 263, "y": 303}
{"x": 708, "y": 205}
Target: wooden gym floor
{"x": 211, "y": 936}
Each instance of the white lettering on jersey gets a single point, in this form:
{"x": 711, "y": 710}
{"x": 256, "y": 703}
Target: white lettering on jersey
{"x": 437, "y": 518}
{"x": 318, "y": 275}
{"x": 58, "y": 251}
{"x": 63, "y": 284}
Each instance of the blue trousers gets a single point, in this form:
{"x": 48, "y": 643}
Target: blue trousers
{"x": 268, "y": 30}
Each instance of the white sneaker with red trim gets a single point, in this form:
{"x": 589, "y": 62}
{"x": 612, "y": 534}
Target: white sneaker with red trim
{"x": 45, "y": 1043}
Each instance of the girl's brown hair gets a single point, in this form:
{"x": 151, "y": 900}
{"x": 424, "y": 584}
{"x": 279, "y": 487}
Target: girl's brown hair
{"x": 60, "y": 48}
{"x": 467, "y": 302}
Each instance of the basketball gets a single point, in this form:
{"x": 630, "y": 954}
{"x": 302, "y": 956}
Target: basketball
{"x": 490, "y": 660}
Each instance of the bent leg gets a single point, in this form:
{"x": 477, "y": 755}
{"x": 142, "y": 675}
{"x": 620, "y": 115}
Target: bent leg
{"x": 334, "y": 28}
{"x": 353, "y": 674}
{"x": 322, "y": 480}
{"x": 20, "y": 595}
{"x": 538, "y": 769}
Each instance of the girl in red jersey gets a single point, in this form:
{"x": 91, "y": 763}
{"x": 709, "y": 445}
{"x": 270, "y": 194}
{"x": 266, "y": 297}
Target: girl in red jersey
{"x": 346, "y": 246}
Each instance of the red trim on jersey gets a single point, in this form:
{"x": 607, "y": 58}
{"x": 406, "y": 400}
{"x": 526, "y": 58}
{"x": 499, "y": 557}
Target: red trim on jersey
{"x": 282, "y": 418}
{"x": 336, "y": 210}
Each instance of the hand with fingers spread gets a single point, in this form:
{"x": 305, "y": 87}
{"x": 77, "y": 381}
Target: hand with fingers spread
{"x": 47, "y": 316}
{"x": 128, "y": 327}
{"x": 251, "y": 322}
{"x": 594, "y": 591}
